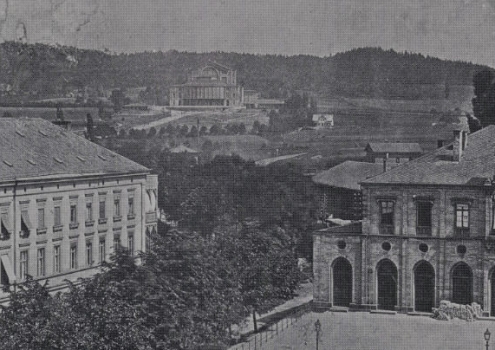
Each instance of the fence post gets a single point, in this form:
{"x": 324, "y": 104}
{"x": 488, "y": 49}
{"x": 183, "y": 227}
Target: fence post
{"x": 276, "y": 328}
{"x": 255, "y": 343}
{"x": 261, "y": 341}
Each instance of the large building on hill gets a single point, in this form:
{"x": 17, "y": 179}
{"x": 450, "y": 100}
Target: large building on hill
{"x": 428, "y": 235}
{"x": 66, "y": 204}
{"x": 214, "y": 85}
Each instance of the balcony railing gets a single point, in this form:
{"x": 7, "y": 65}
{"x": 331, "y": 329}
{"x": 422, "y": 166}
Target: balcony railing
{"x": 89, "y": 223}
{"x": 102, "y": 221}
{"x": 461, "y": 231}
{"x": 73, "y": 225}
{"x": 151, "y": 217}
{"x": 387, "y": 229}
{"x": 423, "y": 230}
{"x": 41, "y": 230}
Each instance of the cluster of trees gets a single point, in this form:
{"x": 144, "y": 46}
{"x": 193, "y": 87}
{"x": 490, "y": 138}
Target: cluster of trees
{"x": 484, "y": 100}
{"x": 182, "y": 130}
{"x": 297, "y": 112}
{"x": 188, "y": 292}
{"x": 367, "y": 72}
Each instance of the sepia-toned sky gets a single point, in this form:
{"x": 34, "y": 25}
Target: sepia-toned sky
{"x": 454, "y": 29}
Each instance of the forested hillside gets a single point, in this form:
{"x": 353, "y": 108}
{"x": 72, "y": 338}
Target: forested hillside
{"x": 47, "y": 71}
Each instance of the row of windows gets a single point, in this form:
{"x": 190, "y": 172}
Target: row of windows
{"x": 73, "y": 256}
{"x": 423, "y": 217}
{"x": 73, "y": 213}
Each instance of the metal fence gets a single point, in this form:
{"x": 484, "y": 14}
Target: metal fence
{"x": 275, "y": 329}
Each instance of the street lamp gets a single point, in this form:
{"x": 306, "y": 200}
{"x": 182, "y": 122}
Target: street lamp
{"x": 486, "y": 335}
{"x": 318, "y": 329}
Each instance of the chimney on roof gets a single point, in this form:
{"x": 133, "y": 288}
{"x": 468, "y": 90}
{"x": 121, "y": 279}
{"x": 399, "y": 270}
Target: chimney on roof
{"x": 458, "y": 146}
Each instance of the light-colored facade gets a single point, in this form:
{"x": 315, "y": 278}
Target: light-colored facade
{"x": 66, "y": 204}
{"x": 214, "y": 85}
{"x": 427, "y": 235}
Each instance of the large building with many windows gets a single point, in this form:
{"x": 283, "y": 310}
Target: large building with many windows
{"x": 66, "y": 204}
{"x": 428, "y": 234}
{"x": 214, "y": 85}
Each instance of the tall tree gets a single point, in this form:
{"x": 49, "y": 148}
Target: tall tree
{"x": 484, "y": 100}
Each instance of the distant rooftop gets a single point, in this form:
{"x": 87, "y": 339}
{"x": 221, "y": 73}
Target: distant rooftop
{"x": 34, "y": 148}
{"x": 394, "y": 147}
{"x": 475, "y": 167}
{"x": 348, "y": 174}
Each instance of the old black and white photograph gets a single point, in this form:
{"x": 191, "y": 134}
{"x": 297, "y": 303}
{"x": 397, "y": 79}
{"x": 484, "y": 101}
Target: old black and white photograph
{"x": 247, "y": 174}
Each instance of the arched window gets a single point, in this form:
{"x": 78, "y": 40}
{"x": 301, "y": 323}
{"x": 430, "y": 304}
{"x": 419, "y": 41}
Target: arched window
{"x": 342, "y": 282}
{"x": 462, "y": 284}
{"x": 387, "y": 285}
{"x": 424, "y": 287}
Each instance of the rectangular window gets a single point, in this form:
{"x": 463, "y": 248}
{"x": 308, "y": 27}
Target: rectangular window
{"x": 131, "y": 207}
{"x": 41, "y": 218}
{"x": 102, "y": 249}
{"x": 116, "y": 243}
{"x": 25, "y": 223}
{"x": 57, "y": 218}
{"x": 41, "y": 262}
{"x": 423, "y": 218}
{"x": 73, "y": 256}
{"x": 102, "y": 209}
{"x": 23, "y": 264}
{"x": 116, "y": 207}
{"x": 89, "y": 253}
{"x": 73, "y": 213}
{"x": 462, "y": 218}
{"x": 56, "y": 259}
{"x": 387, "y": 212}
{"x": 89, "y": 211}
{"x": 130, "y": 244}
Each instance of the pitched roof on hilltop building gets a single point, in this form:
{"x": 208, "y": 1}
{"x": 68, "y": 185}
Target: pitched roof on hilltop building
{"x": 34, "y": 148}
{"x": 348, "y": 174}
{"x": 475, "y": 167}
{"x": 394, "y": 147}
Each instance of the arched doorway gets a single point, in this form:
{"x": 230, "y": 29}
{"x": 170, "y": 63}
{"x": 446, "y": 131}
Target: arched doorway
{"x": 462, "y": 284}
{"x": 342, "y": 282}
{"x": 387, "y": 285}
{"x": 424, "y": 287}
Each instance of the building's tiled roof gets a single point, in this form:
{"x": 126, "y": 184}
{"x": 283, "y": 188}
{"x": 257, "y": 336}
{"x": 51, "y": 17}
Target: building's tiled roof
{"x": 348, "y": 174}
{"x": 394, "y": 147}
{"x": 477, "y": 164}
{"x": 35, "y": 148}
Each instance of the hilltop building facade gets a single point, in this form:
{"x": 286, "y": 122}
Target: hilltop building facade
{"x": 66, "y": 204}
{"x": 428, "y": 235}
{"x": 214, "y": 85}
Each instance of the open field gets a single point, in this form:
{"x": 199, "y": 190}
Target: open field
{"x": 76, "y": 115}
{"x": 362, "y": 330}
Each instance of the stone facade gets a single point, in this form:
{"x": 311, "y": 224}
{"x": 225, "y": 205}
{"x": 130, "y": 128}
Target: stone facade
{"x": 421, "y": 241}
{"x": 214, "y": 85}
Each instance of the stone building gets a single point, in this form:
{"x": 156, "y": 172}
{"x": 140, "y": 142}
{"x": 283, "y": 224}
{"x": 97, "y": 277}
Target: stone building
{"x": 339, "y": 189}
{"x": 66, "y": 204}
{"x": 391, "y": 154}
{"x": 214, "y": 85}
{"x": 428, "y": 235}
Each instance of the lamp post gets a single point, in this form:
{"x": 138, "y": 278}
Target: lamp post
{"x": 318, "y": 329}
{"x": 486, "y": 335}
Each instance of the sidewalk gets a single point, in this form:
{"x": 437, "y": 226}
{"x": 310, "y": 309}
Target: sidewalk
{"x": 304, "y": 295}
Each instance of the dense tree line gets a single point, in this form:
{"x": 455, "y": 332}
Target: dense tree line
{"x": 484, "y": 100}
{"x": 367, "y": 72}
{"x": 188, "y": 292}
